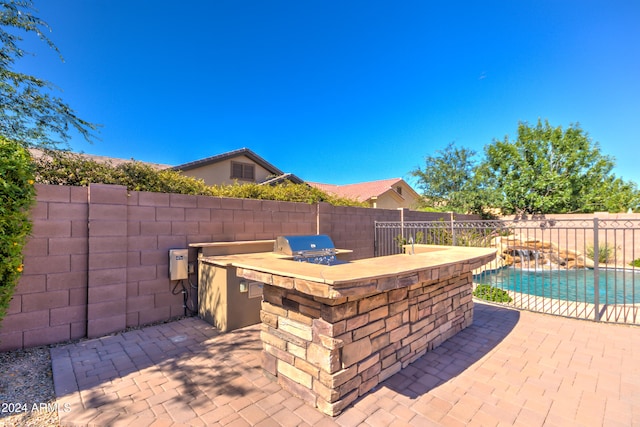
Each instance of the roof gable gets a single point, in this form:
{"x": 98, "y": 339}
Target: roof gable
{"x": 230, "y": 155}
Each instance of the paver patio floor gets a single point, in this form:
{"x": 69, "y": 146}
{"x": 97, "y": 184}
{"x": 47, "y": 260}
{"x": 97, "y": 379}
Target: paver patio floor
{"x": 508, "y": 368}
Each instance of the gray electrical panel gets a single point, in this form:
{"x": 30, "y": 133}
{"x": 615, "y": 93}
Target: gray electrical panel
{"x": 178, "y": 264}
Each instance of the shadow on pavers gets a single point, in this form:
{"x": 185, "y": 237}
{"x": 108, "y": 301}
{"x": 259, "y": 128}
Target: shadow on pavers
{"x": 491, "y": 324}
{"x": 186, "y": 361}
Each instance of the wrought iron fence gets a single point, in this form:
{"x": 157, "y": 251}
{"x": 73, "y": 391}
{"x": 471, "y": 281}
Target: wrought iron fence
{"x": 584, "y": 268}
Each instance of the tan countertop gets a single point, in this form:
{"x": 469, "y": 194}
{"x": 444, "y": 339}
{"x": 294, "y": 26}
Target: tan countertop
{"x": 357, "y": 270}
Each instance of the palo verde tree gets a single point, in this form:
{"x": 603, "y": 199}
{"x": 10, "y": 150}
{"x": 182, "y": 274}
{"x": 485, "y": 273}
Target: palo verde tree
{"x": 548, "y": 169}
{"x": 30, "y": 116}
{"x": 29, "y": 112}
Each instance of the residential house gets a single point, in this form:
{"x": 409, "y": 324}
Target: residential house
{"x": 239, "y": 166}
{"x": 384, "y": 194}
{"x": 243, "y": 165}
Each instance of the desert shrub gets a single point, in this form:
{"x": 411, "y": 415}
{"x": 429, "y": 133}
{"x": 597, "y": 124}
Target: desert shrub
{"x": 491, "y": 293}
{"x": 473, "y": 237}
{"x": 17, "y": 194}
{"x": 606, "y": 253}
{"x": 440, "y": 236}
{"x": 64, "y": 168}
{"x": 137, "y": 176}
{"x": 285, "y": 191}
{"x": 417, "y": 239}
{"x": 635, "y": 263}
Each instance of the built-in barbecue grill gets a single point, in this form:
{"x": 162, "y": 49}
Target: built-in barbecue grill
{"x": 316, "y": 249}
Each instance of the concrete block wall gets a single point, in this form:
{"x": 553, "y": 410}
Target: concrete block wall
{"x": 98, "y": 258}
{"x": 50, "y": 302}
{"x": 352, "y": 227}
{"x": 159, "y": 222}
{"x": 107, "y": 259}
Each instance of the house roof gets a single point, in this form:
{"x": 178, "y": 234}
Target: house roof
{"x": 277, "y": 173}
{"x": 230, "y": 155}
{"x": 281, "y": 178}
{"x": 364, "y": 190}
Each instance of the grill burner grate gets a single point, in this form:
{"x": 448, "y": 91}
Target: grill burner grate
{"x": 316, "y": 249}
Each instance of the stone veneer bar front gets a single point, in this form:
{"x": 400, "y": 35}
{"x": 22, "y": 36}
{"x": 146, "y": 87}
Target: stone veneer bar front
{"x": 332, "y": 333}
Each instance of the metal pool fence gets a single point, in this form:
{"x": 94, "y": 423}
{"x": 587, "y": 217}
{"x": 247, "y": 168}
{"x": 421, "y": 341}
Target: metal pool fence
{"x": 588, "y": 269}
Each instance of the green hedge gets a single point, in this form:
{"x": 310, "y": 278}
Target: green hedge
{"x": 491, "y": 293}
{"x": 65, "y": 168}
{"x": 17, "y": 195}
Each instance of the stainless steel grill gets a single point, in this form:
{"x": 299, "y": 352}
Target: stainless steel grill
{"x": 316, "y": 249}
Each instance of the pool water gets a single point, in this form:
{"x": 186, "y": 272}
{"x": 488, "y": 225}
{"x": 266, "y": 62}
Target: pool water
{"x": 615, "y": 286}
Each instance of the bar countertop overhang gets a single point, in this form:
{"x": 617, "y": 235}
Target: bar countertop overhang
{"x": 359, "y": 276}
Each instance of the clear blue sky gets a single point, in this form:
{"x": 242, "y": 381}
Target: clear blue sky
{"x": 342, "y": 91}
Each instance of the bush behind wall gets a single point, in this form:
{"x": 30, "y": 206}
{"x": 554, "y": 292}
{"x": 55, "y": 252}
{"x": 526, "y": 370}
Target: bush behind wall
{"x": 65, "y": 168}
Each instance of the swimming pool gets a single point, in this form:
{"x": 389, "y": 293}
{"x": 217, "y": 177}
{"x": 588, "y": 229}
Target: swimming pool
{"x": 615, "y": 286}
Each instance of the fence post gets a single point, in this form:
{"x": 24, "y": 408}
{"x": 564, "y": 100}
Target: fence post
{"x": 375, "y": 238}
{"x": 596, "y": 270}
{"x": 453, "y": 231}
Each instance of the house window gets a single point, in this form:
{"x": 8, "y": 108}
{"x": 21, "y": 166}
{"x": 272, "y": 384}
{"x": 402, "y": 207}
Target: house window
{"x": 399, "y": 190}
{"x": 243, "y": 171}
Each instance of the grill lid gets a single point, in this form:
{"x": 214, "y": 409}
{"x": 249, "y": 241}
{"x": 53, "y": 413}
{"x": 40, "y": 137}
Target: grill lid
{"x": 306, "y": 245}
{"x": 316, "y": 249}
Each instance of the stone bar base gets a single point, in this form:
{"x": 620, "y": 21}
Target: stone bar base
{"x": 330, "y": 351}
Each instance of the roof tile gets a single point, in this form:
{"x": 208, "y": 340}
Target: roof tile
{"x": 361, "y": 191}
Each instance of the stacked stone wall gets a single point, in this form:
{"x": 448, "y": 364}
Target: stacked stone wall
{"x": 331, "y": 351}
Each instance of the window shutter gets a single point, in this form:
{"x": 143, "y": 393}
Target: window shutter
{"x": 236, "y": 170}
{"x": 249, "y": 172}
{"x": 243, "y": 171}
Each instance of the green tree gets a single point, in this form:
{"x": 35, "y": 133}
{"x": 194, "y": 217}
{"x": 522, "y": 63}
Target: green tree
{"x": 449, "y": 181}
{"x": 29, "y": 112}
{"x": 551, "y": 170}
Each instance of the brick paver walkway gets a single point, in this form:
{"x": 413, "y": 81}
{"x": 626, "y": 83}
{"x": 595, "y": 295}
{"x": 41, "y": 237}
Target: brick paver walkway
{"x": 508, "y": 368}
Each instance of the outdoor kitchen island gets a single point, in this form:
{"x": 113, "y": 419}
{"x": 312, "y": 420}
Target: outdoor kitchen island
{"x": 332, "y": 333}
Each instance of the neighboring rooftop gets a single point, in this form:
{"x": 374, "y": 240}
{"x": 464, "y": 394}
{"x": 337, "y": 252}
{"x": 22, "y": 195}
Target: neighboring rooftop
{"x": 385, "y": 193}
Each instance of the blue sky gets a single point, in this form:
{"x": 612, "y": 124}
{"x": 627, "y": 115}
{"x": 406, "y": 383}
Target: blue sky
{"x": 341, "y": 92}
